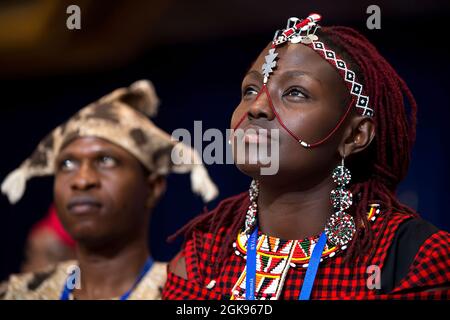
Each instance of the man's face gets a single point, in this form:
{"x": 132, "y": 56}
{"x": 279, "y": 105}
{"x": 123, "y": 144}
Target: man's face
{"x": 100, "y": 191}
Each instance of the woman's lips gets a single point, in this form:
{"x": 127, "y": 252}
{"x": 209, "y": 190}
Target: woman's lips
{"x": 256, "y": 134}
{"x": 250, "y": 137}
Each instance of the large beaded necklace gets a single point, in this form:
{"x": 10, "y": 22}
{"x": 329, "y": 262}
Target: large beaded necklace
{"x": 276, "y": 256}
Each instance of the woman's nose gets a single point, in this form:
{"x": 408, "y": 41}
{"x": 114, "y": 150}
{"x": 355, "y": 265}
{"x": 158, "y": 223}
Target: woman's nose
{"x": 262, "y": 106}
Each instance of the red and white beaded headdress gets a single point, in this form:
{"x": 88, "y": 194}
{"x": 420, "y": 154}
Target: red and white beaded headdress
{"x": 303, "y": 31}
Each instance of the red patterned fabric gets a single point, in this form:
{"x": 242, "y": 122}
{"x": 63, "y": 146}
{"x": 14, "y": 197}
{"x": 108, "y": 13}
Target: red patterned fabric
{"x": 427, "y": 278}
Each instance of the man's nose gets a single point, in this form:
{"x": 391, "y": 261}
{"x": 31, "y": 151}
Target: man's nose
{"x": 85, "y": 178}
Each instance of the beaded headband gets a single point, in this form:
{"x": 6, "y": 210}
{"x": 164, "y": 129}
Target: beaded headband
{"x": 303, "y": 31}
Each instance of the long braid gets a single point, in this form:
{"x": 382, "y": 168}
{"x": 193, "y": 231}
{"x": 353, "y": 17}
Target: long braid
{"x": 376, "y": 171}
{"x": 387, "y": 161}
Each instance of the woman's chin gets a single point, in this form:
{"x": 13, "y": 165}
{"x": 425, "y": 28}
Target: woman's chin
{"x": 254, "y": 171}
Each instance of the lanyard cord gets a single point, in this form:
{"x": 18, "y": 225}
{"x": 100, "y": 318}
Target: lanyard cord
{"x": 148, "y": 265}
{"x": 311, "y": 272}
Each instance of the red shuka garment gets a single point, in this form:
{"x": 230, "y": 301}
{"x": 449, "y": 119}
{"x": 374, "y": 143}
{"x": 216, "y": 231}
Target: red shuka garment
{"x": 426, "y": 277}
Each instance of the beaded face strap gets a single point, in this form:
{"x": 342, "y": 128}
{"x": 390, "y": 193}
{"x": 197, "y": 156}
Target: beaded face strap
{"x": 303, "y": 31}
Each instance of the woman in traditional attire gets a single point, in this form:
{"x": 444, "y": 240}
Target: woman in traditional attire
{"x": 328, "y": 224}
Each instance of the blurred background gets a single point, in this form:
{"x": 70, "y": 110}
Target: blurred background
{"x": 196, "y": 53}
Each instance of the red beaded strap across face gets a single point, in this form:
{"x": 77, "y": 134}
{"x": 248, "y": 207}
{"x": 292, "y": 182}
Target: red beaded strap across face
{"x": 303, "y": 31}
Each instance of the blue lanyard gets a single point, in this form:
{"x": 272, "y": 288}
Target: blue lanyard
{"x": 250, "y": 279}
{"x": 305, "y": 293}
{"x": 148, "y": 265}
{"x": 311, "y": 272}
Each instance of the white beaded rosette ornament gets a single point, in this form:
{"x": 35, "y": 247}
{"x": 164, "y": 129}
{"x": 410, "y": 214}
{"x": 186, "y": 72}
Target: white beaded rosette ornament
{"x": 340, "y": 226}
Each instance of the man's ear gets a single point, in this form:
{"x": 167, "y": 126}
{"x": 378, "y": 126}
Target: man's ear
{"x": 157, "y": 186}
{"x": 357, "y": 136}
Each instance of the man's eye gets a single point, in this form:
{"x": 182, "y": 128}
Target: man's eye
{"x": 67, "y": 165}
{"x": 107, "y": 161}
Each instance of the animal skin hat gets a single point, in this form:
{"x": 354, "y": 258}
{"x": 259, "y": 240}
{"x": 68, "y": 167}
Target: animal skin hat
{"x": 121, "y": 117}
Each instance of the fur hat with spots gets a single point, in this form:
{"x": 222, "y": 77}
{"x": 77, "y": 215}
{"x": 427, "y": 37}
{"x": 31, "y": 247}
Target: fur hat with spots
{"x": 120, "y": 117}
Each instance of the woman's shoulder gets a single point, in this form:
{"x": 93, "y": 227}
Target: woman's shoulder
{"x": 417, "y": 256}
{"x": 431, "y": 261}
{"x": 222, "y": 216}
{"x": 190, "y": 267}
{"x": 235, "y": 202}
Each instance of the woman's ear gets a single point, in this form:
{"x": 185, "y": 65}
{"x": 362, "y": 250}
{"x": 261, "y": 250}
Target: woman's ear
{"x": 157, "y": 186}
{"x": 358, "y": 136}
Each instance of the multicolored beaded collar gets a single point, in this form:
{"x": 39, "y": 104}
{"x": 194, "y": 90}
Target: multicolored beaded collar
{"x": 274, "y": 247}
{"x": 276, "y": 256}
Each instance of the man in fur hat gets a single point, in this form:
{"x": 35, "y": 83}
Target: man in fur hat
{"x": 109, "y": 161}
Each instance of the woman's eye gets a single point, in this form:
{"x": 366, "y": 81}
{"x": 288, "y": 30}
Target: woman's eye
{"x": 250, "y": 91}
{"x": 295, "y": 93}
{"x": 67, "y": 165}
{"x": 107, "y": 161}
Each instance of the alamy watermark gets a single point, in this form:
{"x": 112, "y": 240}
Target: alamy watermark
{"x": 254, "y": 146}
{"x": 73, "y": 21}
{"x": 374, "y": 279}
{"x": 374, "y": 20}
{"x": 73, "y": 280}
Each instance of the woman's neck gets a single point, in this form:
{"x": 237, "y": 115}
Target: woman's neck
{"x": 290, "y": 214}
{"x": 108, "y": 273}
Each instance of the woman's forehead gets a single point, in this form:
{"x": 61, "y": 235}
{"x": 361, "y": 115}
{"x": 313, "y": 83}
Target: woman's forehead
{"x": 298, "y": 57}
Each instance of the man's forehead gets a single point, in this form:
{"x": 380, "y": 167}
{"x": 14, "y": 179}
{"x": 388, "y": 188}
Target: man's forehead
{"x": 89, "y": 144}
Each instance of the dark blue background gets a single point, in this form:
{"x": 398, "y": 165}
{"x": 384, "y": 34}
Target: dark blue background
{"x": 200, "y": 80}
